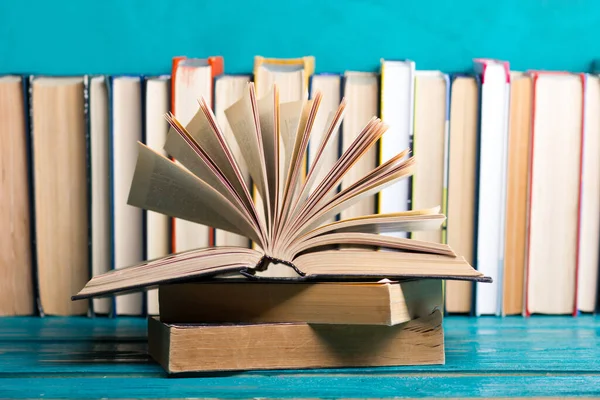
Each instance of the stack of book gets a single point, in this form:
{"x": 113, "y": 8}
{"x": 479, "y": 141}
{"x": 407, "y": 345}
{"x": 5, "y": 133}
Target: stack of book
{"x": 228, "y": 326}
{"x": 298, "y": 286}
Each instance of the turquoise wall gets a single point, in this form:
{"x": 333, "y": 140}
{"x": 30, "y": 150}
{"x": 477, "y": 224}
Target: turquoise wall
{"x": 141, "y": 36}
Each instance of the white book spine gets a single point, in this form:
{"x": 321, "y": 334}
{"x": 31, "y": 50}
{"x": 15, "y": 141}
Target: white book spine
{"x": 191, "y": 83}
{"x": 397, "y": 110}
{"x": 228, "y": 90}
{"x": 589, "y": 225}
{"x": 157, "y": 225}
{"x": 128, "y": 239}
{"x": 361, "y": 89}
{"x": 100, "y": 206}
{"x": 492, "y": 182}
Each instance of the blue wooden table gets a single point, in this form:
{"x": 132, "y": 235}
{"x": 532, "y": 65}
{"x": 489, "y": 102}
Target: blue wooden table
{"x": 485, "y": 357}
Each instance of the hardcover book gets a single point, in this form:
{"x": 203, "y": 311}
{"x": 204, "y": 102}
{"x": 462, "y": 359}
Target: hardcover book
{"x": 206, "y": 186}
{"x": 188, "y": 348}
{"x": 349, "y": 303}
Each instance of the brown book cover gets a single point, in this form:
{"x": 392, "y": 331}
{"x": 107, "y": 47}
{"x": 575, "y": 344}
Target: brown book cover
{"x": 181, "y": 348}
{"x": 365, "y": 303}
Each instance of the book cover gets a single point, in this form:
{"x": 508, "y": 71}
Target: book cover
{"x": 187, "y": 66}
{"x": 536, "y": 168}
{"x": 397, "y": 103}
{"x": 493, "y": 140}
{"x": 128, "y": 230}
{"x": 17, "y": 266}
{"x": 181, "y": 348}
{"x": 461, "y": 173}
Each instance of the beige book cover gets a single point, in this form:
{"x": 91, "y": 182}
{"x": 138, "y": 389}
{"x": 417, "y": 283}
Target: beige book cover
{"x": 16, "y": 285}
{"x": 462, "y": 172}
{"x": 61, "y": 200}
{"x": 429, "y": 144}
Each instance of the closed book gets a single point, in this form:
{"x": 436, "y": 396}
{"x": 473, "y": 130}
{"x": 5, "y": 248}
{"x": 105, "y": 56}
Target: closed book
{"x": 330, "y": 86}
{"x": 158, "y": 230}
{"x": 491, "y": 191}
{"x": 397, "y": 106}
{"x": 429, "y": 144}
{"x": 58, "y": 146}
{"x": 589, "y": 228}
{"x": 98, "y": 109}
{"x": 376, "y": 303}
{"x": 192, "y": 79}
{"x": 554, "y": 184}
{"x": 228, "y": 90}
{"x": 127, "y": 235}
{"x": 16, "y": 264}
{"x": 461, "y": 198}
{"x": 361, "y": 90}
{"x": 291, "y": 75}
{"x": 181, "y": 348}
{"x": 516, "y": 193}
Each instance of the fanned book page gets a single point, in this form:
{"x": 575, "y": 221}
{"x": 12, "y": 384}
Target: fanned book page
{"x": 293, "y": 228}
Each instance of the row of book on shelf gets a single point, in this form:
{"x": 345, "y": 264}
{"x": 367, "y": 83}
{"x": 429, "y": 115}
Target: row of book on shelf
{"x": 513, "y": 158}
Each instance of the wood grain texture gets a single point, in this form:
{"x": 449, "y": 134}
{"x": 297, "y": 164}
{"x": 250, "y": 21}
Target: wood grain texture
{"x": 485, "y": 357}
{"x": 305, "y": 386}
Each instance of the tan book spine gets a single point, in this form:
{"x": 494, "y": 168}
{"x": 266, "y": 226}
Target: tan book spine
{"x": 516, "y": 195}
{"x": 16, "y": 288}
{"x": 461, "y": 184}
{"x": 195, "y": 348}
{"x": 61, "y": 202}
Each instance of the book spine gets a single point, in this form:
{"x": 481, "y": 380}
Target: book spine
{"x": 583, "y": 79}
{"x": 479, "y": 80}
{"x": 446, "y": 161}
{"x": 500, "y": 292}
{"x": 144, "y": 294}
{"x": 88, "y": 174}
{"x": 411, "y": 146}
{"x": 28, "y": 106}
{"x": 111, "y": 173}
{"x": 174, "y": 66}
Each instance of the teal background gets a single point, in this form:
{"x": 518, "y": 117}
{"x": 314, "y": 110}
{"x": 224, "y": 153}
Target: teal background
{"x": 141, "y": 36}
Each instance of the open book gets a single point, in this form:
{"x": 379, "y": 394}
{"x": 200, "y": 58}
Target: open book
{"x": 291, "y": 228}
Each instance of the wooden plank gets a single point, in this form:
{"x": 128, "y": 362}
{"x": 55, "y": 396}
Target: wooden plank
{"x": 306, "y": 386}
{"x": 67, "y": 346}
{"x": 71, "y": 328}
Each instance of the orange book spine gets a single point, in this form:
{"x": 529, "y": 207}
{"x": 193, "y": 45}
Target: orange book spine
{"x": 217, "y": 66}
{"x": 175, "y": 64}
